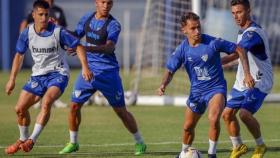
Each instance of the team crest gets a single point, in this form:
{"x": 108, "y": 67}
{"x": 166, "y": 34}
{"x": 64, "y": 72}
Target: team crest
{"x": 204, "y": 57}
{"x": 250, "y": 34}
{"x": 118, "y": 95}
{"x": 59, "y": 80}
{"x": 77, "y": 93}
{"x": 34, "y": 84}
{"x": 192, "y": 105}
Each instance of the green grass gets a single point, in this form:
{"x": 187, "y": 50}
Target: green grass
{"x": 103, "y": 135}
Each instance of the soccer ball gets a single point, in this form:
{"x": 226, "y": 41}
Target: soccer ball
{"x": 130, "y": 97}
{"x": 190, "y": 153}
{"x": 99, "y": 99}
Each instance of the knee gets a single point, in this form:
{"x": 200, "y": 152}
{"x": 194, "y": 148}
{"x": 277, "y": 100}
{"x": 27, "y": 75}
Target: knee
{"x": 188, "y": 127}
{"x": 74, "y": 108}
{"x": 20, "y": 111}
{"x": 46, "y": 109}
{"x": 243, "y": 114}
{"x": 214, "y": 122}
{"x": 226, "y": 116}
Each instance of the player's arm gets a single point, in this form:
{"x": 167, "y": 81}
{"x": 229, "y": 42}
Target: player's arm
{"x": 86, "y": 73}
{"x": 229, "y": 58}
{"x": 74, "y": 43}
{"x": 17, "y": 63}
{"x": 107, "y": 48}
{"x": 167, "y": 77}
{"x": 248, "y": 79}
{"x": 173, "y": 64}
{"x": 231, "y": 48}
{"x": 21, "y": 47}
{"x": 113, "y": 30}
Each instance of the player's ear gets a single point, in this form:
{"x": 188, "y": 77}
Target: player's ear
{"x": 33, "y": 13}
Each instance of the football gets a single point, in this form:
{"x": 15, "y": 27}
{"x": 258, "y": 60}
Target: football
{"x": 190, "y": 153}
{"x": 130, "y": 97}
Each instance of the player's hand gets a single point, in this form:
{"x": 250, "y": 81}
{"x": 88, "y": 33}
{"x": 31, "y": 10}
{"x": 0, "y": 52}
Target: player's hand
{"x": 161, "y": 90}
{"x": 249, "y": 81}
{"x": 10, "y": 86}
{"x": 71, "y": 51}
{"x": 53, "y": 20}
{"x": 87, "y": 74}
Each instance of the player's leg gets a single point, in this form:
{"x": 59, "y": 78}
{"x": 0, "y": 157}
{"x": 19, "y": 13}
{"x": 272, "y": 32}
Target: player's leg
{"x": 25, "y": 101}
{"x": 74, "y": 120}
{"x": 234, "y": 103}
{"x": 111, "y": 87}
{"x": 81, "y": 93}
{"x": 253, "y": 101}
{"x": 42, "y": 118}
{"x": 215, "y": 107}
{"x": 129, "y": 122}
{"x": 53, "y": 85}
{"x": 190, "y": 121}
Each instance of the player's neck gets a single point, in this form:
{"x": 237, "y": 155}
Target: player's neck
{"x": 194, "y": 43}
{"x": 99, "y": 16}
{"x": 39, "y": 29}
{"x": 247, "y": 24}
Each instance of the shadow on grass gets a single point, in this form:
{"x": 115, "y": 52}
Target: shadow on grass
{"x": 149, "y": 154}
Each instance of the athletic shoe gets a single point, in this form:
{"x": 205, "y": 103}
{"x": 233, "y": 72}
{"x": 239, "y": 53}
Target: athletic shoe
{"x": 259, "y": 151}
{"x": 140, "y": 148}
{"x": 27, "y": 145}
{"x": 240, "y": 150}
{"x": 11, "y": 149}
{"x": 69, "y": 148}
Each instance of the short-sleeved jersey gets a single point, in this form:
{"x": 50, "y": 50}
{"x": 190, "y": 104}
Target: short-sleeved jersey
{"x": 45, "y": 48}
{"x": 255, "y": 42}
{"x": 89, "y": 26}
{"x": 202, "y": 63}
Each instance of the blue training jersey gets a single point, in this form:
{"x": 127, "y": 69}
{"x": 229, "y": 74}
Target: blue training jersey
{"x": 99, "y": 62}
{"x": 202, "y": 63}
{"x": 66, "y": 39}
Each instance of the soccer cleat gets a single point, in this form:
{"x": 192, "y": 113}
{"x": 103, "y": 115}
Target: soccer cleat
{"x": 69, "y": 148}
{"x": 240, "y": 150}
{"x": 27, "y": 145}
{"x": 13, "y": 148}
{"x": 259, "y": 151}
{"x": 140, "y": 148}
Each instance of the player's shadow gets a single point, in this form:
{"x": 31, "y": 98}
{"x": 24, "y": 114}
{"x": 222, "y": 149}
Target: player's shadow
{"x": 148, "y": 154}
{"x": 101, "y": 154}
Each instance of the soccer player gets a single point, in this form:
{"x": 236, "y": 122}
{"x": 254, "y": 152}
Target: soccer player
{"x": 101, "y": 30}
{"x": 200, "y": 55}
{"x": 50, "y": 73}
{"x": 56, "y": 15}
{"x": 242, "y": 98}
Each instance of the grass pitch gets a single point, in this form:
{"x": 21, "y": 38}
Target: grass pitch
{"x": 103, "y": 135}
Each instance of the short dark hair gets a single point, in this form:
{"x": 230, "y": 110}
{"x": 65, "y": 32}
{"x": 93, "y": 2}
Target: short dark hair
{"x": 41, "y": 4}
{"x": 245, "y": 3}
{"x": 188, "y": 16}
